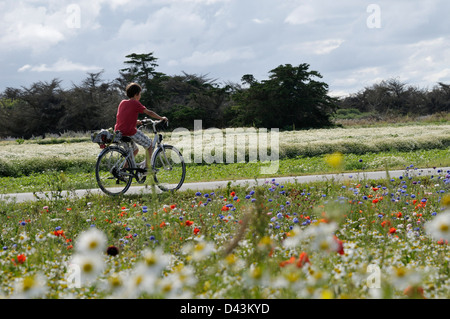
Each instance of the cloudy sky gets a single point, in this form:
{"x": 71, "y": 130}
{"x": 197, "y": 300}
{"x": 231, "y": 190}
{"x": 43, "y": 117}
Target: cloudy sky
{"x": 352, "y": 43}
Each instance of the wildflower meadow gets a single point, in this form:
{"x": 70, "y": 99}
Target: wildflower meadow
{"x": 352, "y": 239}
{"x": 346, "y": 239}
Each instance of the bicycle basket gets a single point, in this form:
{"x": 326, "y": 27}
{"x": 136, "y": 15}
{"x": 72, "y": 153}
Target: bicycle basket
{"x": 103, "y": 137}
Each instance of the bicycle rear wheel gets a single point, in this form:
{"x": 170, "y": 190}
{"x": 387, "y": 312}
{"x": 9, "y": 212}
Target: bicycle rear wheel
{"x": 169, "y": 168}
{"x": 109, "y": 171}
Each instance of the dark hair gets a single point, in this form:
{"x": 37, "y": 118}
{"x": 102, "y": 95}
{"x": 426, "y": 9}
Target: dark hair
{"x": 133, "y": 89}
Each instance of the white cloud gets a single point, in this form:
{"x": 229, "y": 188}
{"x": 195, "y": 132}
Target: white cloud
{"x": 319, "y": 47}
{"x": 303, "y": 14}
{"x": 210, "y": 58}
{"x": 62, "y": 65}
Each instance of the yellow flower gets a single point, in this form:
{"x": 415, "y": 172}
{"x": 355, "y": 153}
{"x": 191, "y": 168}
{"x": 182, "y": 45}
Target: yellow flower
{"x": 335, "y": 160}
{"x": 446, "y": 201}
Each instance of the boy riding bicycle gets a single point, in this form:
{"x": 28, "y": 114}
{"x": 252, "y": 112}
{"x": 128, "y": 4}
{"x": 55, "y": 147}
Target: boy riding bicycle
{"x": 127, "y": 120}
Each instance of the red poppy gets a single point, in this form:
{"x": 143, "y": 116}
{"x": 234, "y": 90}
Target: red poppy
{"x": 196, "y": 231}
{"x": 392, "y": 230}
{"x": 232, "y": 194}
{"x": 225, "y": 208}
{"x": 162, "y": 224}
{"x": 340, "y": 248}
{"x": 287, "y": 262}
{"x": 173, "y": 206}
{"x": 21, "y": 258}
{"x": 414, "y": 292}
{"x": 59, "y": 233}
{"x": 189, "y": 223}
{"x": 302, "y": 260}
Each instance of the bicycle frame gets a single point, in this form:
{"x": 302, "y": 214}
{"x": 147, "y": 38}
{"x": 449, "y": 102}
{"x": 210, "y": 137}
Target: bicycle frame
{"x": 156, "y": 144}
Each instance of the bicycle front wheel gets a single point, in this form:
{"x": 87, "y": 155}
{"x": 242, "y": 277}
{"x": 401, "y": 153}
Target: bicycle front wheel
{"x": 169, "y": 168}
{"x": 112, "y": 178}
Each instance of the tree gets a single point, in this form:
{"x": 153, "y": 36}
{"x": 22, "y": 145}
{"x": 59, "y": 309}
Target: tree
{"x": 291, "y": 97}
{"x": 93, "y": 105}
{"x": 192, "y": 97}
{"x": 142, "y": 70}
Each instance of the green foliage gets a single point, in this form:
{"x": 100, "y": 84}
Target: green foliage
{"x": 142, "y": 70}
{"x": 290, "y": 98}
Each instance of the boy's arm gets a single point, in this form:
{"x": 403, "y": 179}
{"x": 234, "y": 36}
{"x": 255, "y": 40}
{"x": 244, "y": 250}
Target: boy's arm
{"x": 154, "y": 115}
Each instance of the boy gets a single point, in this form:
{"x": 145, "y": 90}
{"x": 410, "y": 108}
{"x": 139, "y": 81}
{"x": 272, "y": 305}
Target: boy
{"x": 127, "y": 120}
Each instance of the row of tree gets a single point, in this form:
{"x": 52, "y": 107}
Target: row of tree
{"x": 392, "y": 98}
{"x": 292, "y": 97}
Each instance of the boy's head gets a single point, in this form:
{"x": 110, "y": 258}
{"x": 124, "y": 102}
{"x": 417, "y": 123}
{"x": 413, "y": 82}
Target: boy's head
{"x": 133, "y": 89}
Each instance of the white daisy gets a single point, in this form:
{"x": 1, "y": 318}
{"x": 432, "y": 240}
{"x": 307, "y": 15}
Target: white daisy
{"x": 92, "y": 241}
{"x": 23, "y": 238}
{"x": 87, "y": 267}
{"x": 154, "y": 261}
{"x": 30, "y": 287}
{"x": 439, "y": 227}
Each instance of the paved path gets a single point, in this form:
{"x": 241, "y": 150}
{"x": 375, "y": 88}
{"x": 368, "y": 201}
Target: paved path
{"x": 21, "y": 197}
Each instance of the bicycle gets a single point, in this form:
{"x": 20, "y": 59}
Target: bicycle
{"x": 116, "y": 166}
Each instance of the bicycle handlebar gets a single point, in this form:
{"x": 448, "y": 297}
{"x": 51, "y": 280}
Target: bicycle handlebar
{"x": 147, "y": 121}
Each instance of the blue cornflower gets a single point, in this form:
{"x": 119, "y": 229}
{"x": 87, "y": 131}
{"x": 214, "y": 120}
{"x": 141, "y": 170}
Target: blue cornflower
{"x": 198, "y": 194}
{"x": 280, "y": 215}
{"x": 248, "y": 197}
{"x": 23, "y": 223}
{"x": 295, "y": 220}
{"x": 152, "y": 237}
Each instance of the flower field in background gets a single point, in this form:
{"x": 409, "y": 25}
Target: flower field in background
{"x": 351, "y": 239}
{"x": 34, "y": 156}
